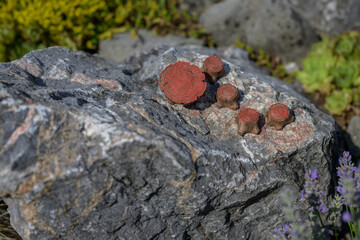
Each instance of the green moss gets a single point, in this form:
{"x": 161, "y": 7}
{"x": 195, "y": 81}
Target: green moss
{"x": 27, "y": 25}
{"x": 332, "y": 68}
{"x": 338, "y": 100}
{"x": 262, "y": 59}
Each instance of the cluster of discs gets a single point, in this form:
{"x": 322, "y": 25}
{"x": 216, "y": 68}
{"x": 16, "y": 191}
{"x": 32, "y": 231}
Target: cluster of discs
{"x": 184, "y": 83}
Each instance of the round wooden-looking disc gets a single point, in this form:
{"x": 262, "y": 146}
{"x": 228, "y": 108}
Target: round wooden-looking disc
{"x": 279, "y": 112}
{"x": 182, "y": 82}
{"x": 213, "y": 64}
{"x": 248, "y": 115}
{"x": 227, "y": 92}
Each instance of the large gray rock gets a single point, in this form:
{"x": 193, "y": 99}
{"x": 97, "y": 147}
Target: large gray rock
{"x": 196, "y": 7}
{"x": 123, "y": 45}
{"x": 269, "y": 25}
{"x": 91, "y": 150}
{"x": 354, "y": 136}
{"x": 330, "y": 17}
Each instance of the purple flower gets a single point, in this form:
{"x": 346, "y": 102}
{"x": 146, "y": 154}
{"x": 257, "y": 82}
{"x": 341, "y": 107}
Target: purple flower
{"x": 323, "y": 208}
{"x": 314, "y": 174}
{"x": 286, "y": 227}
{"x": 345, "y": 158}
{"x": 357, "y": 196}
{"x": 284, "y": 230}
{"x": 312, "y": 191}
{"x": 349, "y": 180}
{"x": 346, "y": 217}
{"x": 340, "y": 189}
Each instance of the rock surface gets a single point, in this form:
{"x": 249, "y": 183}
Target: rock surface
{"x": 330, "y": 17}
{"x": 123, "y": 45}
{"x": 273, "y": 26}
{"x": 196, "y": 7}
{"x": 91, "y": 150}
{"x": 353, "y": 130}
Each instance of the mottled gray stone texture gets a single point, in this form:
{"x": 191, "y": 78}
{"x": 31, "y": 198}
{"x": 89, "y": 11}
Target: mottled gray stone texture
{"x": 283, "y": 28}
{"x": 91, "y": 150}
{"x": 330, "y": 17}
{"x": 196, "y": 7}
{"x": 353, "y": 139}
{"x": 124, "y": 45}
{"x": 273, "y": 26}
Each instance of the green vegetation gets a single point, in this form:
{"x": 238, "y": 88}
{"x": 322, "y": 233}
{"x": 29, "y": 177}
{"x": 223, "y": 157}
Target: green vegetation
{"x": 325, "y": 218}
{"x": 27, "y": 25}
{"x": 332, "y": 69}
{"x": 262, "y": 59}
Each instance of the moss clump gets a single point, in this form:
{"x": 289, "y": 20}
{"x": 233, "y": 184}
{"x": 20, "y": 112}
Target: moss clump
{"x": 27, "y": 25}
{"x": 332, "y": 71}
{"x": 270, "y": 63}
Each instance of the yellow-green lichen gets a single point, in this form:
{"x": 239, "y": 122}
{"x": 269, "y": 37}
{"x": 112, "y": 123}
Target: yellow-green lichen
{"x": 27, "y": 25}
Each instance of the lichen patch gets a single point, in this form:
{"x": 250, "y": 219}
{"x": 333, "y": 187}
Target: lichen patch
{"x": 106, "y": 83}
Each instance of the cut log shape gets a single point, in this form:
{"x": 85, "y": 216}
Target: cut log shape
{"x": 214, "y": 68}
{"x": 278, "y": 116}
{"x": 227, "y": 96}
{"x": 182, "y": 83}
{"x": 248, "y": 121}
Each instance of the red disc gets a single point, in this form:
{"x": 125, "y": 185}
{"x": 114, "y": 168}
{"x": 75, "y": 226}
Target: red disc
{"x": 279, "y": 112}
{"x": 182, "y": 82}
{"x": 227, "y": 92}
{"x": 213, "y": 64}
{"x": 248, "y": 115}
